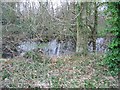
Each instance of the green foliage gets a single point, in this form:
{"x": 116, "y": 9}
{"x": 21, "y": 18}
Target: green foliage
{"x": 35, "y": 56}
{"x": 5, "y": 74}
{"x": 75, "y": 72}
{"x": 55, "y": 82}
{"x": 89, "y": 84}
{"x": 113, "y": 55}
{"x": 92, "y": 83}
{"x": 8, "y": 15}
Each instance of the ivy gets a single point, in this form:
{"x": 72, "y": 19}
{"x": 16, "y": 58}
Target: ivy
{"x": 112, "y": 58}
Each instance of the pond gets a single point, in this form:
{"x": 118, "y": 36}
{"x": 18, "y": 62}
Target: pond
{"x": 53, "y": 48}
{"x": 59, "y": 48}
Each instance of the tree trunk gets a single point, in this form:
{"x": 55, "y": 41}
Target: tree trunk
{"x": 79, "y": 47}
{"x": 94, "y": 31}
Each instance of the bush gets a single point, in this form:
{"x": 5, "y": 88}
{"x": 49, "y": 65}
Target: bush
{"x": 113, "y": 56}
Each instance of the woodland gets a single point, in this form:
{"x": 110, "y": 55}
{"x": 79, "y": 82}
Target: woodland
{"x": 59, "y": 44}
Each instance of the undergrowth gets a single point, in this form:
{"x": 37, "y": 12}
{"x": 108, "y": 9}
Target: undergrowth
{"x": 68, "y": 72}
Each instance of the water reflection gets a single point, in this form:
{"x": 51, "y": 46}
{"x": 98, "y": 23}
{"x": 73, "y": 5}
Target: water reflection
{"x": 54, "y": 47}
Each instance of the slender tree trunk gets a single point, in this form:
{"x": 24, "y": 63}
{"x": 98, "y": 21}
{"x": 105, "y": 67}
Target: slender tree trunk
{"x": 85, "y": 47}
{"x": 94, "y": 31}
{"x": 79, "y": 29}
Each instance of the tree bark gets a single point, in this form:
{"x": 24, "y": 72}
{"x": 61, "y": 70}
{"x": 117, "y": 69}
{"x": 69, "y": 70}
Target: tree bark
{"x": 94, "y": 31}
{"x": 79, "y": 28}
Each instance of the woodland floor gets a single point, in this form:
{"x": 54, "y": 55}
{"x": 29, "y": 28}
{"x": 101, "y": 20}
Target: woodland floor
{"x": 68, "y": 72}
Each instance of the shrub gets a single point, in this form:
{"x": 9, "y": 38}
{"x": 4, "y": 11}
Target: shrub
{"x": 112, "y": 58}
